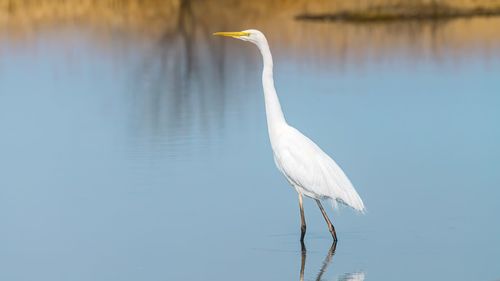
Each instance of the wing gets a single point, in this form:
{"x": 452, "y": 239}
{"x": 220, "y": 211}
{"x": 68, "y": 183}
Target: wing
{"x": 305, "y": 165}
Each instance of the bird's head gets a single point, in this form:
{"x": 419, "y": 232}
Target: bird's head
{"x": 250, "y": 35}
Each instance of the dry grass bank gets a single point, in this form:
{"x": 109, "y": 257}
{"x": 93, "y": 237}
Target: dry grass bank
{"x": 172, "y": 21}
{"x": 153, "y": 14}
{"x": 405, "y": 10}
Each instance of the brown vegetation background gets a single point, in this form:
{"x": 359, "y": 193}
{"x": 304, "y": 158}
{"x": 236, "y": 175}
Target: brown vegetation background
{"x": 193, "y": 21}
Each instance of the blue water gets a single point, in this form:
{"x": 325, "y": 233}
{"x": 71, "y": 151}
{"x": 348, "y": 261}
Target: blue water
{"x": 135, "y": 161}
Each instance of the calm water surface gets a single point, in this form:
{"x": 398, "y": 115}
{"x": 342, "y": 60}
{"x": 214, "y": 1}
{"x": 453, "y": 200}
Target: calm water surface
{"x": 124, "y": 158}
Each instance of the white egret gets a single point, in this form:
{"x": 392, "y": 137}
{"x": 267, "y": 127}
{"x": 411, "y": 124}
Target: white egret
{"x": 306, "y": 167}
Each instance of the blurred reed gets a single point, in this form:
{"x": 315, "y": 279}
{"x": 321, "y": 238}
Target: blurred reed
{"x": 166, "y": 21}
{"x": 150, "y": 16}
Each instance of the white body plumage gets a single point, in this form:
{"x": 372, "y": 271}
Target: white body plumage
{"x": 311, "y": 171}
{"x": 306, "y": 167}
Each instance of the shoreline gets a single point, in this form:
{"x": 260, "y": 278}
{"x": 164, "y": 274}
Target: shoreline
{"x": 402, "y": 13}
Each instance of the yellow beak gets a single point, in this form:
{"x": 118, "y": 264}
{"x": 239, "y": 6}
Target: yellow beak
{"x": 232, "y": 34}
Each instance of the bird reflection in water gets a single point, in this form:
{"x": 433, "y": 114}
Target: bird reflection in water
{"x": 355, "y": 276}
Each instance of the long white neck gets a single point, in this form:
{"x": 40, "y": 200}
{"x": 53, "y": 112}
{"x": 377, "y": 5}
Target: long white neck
{"x": 275, "y": 118}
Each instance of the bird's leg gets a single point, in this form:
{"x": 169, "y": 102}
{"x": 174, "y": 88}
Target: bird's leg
{"x": 328, "y": 222}
{"x": 302, "y": 220}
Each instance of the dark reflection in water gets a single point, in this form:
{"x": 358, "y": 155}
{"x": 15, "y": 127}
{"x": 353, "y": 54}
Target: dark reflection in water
{"x": 175, "y": 86}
